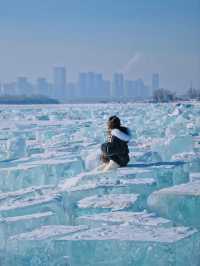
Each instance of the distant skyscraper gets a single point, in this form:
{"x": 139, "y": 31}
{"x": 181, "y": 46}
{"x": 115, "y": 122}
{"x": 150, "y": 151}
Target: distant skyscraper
{"x": 9, "y": 88}
{"x": 106, "y": 90}
{"x": 147, "y": 91}
{"x": 23, "y": 86}
{"x": 129, "y": 89}
{"x": 60, "y": 82}
{"x": 155, "y": 82}
{"x": 118, "y": 85}
{"x": 42, "y": 87}
{"x": 136, "y": 89}
{"x": 72, "y": 92}
{"x": 90, "y": 84}
{"x": 140, "y": 88}
{"x": 82, "y": 85}
{"x": 98, "y": 86}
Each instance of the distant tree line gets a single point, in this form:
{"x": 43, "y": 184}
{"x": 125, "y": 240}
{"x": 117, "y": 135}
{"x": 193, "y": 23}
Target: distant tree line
{"x": 164, "y": 96}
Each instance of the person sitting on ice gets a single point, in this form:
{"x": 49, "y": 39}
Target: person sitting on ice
{"x": 115, "y": 152}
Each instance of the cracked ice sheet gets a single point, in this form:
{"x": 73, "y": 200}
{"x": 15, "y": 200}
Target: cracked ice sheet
{"x": 33, "y": 216}
{"x": 48, "y": 232}
{"x": 26, "y": 192}
{"x": 75, "y": 189}
{"x": 191, "y": 188}
{"x": 136, "y": 186}
{"x": 119, "y": 217}
{"x": 108, "y": 245}
{"x": 31, "y": 204}
{"x": 28, "y": 202}
{"x": 112, "y": 201}
{"x": 20, "y": 224}
{"x": 140, "y": 176}
{"x": 42, "y": 172}
{"x": 133, "y": 233}
{"x": 115, "y": 183}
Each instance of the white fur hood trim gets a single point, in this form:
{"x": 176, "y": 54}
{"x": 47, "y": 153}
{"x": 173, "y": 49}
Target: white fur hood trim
{"x": 121, "y": 135}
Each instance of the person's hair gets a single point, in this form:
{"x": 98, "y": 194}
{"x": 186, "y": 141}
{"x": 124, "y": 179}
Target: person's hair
{"x": 114, "y": 122}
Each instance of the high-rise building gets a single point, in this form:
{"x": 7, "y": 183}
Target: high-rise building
{"x": 42, "y": 87}
{"x": 90, "y": 85}
{"x": 9, "y": 88}
{"x": 60, "y": 82}
{"x": 147, "y": 91}
{"x": 82, "y": 85}
{"x": 106, "y": 89}
{"x": 98, "y": 86}
{"x": 140, "y": 88}
{"x": 23, "y": 86}
{"x": 130, "y": 89}
{"x": 136, "y": 89}
{"x": 155, "y": 82}
{"x": 91, "y": 80}
{"x": 72, "y": 92}
{"x": 118, "y": 85}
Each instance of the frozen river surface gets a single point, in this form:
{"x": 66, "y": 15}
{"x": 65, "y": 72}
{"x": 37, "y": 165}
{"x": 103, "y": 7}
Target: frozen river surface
{"x": 56, "y": 211}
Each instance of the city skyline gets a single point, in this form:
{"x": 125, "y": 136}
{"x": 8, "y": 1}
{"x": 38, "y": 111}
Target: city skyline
{"x": 135, "y": 38}
{"x": 88, "y": 85}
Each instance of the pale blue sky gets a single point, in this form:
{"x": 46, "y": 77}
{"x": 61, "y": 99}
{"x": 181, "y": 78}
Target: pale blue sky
{"x": 137, "y": 37}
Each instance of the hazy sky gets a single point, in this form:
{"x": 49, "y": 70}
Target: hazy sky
{"x": 138, "y": 37}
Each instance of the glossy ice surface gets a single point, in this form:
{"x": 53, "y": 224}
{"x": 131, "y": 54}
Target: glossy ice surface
{"x": 56, "y": 210}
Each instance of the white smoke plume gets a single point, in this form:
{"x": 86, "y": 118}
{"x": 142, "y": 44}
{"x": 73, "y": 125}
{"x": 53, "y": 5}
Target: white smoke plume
{"x": 132, "y": 63}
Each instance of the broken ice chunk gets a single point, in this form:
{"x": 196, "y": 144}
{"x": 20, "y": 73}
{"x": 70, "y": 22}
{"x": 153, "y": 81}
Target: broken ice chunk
{"x": 180, "y": 203}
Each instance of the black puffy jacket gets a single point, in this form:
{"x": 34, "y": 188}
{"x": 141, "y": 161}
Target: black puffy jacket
{"x": 117, "y": 148}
